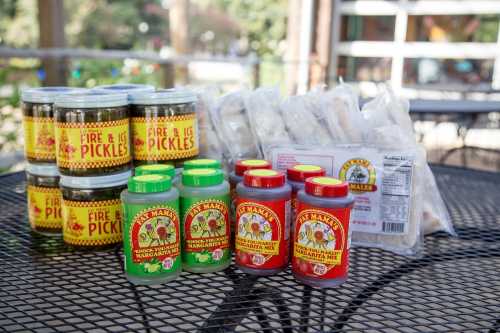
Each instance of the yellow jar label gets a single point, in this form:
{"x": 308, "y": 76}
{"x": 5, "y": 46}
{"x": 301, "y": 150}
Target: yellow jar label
{"x": 92, "y": 145}
{"x": 44, "y": 207}
{"x": 92, "y": 223}
{"x": 165, "y": 138}
{"x": 39, "y": 138}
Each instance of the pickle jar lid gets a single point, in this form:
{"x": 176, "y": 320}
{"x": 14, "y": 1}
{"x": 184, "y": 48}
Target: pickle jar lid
{"x": 155, "y": 169}
{"x": 126, "y": 88}
{"x": 91, "y": 99}
{"x": 244, "y": 165}
{"x": 300, "y": 172}
{"x": 202, "y": 177}
{"x": 264, "y": 178}
{"x": 48, "y": 170}
{"x": 151, "y": 183}
{"x": 95, "y": 182}
{"x": 46, "y": 94}
{"x": 202, "y": 163}
{"x": 163, "y": 96}
{"x": 326, "y": 187}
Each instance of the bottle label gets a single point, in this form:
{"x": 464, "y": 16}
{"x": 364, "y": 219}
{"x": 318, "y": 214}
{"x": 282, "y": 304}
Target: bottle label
{"x": 321, "y": 242}
{"x": 151, "y": 236}
{"x": 165, "y": 138}
{"x": 92, "y": 145}
{"x": 44, "y": 207}
{"x": 39, "y": 138}
{"x": 262, "y": 239}
{"x": 206, "y": 231}
{"x": 92, "y": 223}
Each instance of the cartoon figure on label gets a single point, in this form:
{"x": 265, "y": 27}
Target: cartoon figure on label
{"x": 357, "y": 175}
{"x": 317, "y": 235}
{"x": 254, "y": 226}
{"x": 66, "y": 150}
{"x": 35, "y": 208}
{"x": 74, "y": 228}
{"x": 208, "y": 223}
{"x": 157, "y": 231}
{"x": 360, "y": 174}
{"x": 314, "y": 240}
{"x": 138, "y": 142}
{"x": 45, "y": 138}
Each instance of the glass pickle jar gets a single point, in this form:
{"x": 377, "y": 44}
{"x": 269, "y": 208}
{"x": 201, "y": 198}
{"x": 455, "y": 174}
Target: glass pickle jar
{"x": 164, "y": 126}
{"x": 38, "y": 122}
{"x": 44, "y": 199}
{"x": 92, "y": 133}
{"x": 91, "y": 210}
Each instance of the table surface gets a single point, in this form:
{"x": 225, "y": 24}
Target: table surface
{"x": 453, "y": 106}
{"x": 453, "y": 287}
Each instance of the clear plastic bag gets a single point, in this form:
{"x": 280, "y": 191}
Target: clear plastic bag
{"x": 231, "y": 123}
{"x": 265, "y": 117}
{"x": 343, "y": 117}
{"x": 391, "y": 127}
{"x": 210, "y": 144}
{"x": 302, "y": 123}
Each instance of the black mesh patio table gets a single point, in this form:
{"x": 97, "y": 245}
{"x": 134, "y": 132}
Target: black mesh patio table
{"x": 453, "y": 287}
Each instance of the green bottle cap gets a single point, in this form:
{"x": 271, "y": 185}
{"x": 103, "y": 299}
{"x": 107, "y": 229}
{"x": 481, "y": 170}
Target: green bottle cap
{"x": 149, "y": 183}
{"x": 202, "y": 163}
{"x": 202, "y": 177}
{"x": 156, "y": 169}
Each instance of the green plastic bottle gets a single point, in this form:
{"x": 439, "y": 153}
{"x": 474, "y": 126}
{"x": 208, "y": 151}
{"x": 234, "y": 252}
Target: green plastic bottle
{"x": 151, "y": 230}
{"x": 202, "y": 163}
{"x": 205, "y": 221}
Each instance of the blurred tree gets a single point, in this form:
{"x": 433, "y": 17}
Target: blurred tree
{"x": 17, "y": 28}
{"x": 114, "y": 24}
{"x": 263, "y": 23}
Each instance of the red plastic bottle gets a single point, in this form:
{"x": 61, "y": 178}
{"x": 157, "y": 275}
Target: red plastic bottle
{"x": 263, "y": 222}
{"x": 321, "y": 232}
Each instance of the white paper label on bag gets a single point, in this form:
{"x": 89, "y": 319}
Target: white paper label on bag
{"x": 380, "y": 181}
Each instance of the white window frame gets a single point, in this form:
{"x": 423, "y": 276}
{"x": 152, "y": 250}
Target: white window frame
{"x": 399, "y": 49}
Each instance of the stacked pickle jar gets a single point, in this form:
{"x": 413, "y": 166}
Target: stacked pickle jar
{"x": 43, "y": 194}
{"x": 94, "y": 158}
{"x": 164, "y": 126}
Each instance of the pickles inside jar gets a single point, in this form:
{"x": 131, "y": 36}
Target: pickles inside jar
{"x": 164, "y": 126}
{"x": 92, "y": 133}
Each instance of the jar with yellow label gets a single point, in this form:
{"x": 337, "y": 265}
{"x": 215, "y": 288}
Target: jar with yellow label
{"x": 38, "y": 122}
{"x": 164, "y": 126}
{"x": 91, "y": 210}
{"x": 92, "y": 133}
{"x": 44, "y": 198}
